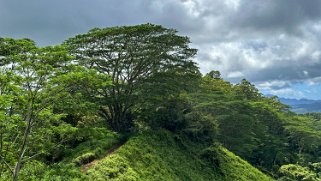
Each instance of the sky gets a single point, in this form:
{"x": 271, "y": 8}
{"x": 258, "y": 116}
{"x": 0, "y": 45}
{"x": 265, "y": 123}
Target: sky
{"x": 276, "y": 44}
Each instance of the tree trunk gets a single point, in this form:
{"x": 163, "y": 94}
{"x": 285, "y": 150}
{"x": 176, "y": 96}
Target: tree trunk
{"x": 24, "y": 144}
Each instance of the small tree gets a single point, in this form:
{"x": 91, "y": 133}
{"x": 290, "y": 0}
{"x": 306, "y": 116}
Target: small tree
{"x": 247, "y": 90}
{"x": 214, "y": 74}
{"x": 26, "y": 100}
{"x": 141, "y": 60}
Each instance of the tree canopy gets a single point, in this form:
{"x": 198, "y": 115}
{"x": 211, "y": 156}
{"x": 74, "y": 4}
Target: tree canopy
{"x": 143, "y": 61}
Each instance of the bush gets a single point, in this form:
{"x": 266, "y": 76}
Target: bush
{"x": 168, "y": 114}
{"x": 296, "y": 172}
{"x": 211, "y": 155}
{"x": 85, "y": 158}
{"x": 200, "y": 127}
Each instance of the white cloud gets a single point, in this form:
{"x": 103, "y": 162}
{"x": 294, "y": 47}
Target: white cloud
{"x": 236, "y": 74}
{"x": 288, "y": 93}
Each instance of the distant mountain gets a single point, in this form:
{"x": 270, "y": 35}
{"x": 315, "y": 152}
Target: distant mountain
{"x": 302, "y": 105}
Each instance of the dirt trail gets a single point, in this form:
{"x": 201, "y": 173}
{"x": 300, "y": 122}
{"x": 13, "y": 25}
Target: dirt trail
{"x": 109, "y": 152}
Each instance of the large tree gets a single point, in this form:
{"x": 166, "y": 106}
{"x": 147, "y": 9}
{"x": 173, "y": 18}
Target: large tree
{"x": 142, "y": 60}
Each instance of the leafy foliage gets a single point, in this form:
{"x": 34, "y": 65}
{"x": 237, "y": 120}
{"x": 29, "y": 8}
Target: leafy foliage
{"x": 297, "y": 172}
{"x": 141, "y": 60}
{"x": 27, "y": 114}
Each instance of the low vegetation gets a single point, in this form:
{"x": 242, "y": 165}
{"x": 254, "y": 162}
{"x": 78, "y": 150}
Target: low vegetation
{"x": 162, "y": 155}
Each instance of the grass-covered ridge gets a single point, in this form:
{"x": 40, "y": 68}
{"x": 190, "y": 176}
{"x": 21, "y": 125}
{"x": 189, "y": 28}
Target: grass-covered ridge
{"x": 165, "y": 156}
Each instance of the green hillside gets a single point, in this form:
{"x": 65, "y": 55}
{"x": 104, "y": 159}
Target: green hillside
{"x": 159, "y": 155}
{"x": 164, "y": 156}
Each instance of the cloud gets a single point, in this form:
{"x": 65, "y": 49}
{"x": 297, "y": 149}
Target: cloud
{"x": 262, "y": 41}
{"x": 286, "y": 15}
{"x": 274, "y": 85}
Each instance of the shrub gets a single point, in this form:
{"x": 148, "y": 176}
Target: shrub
{"x": 296, "y": 172}
{"x": 85, "y": 158}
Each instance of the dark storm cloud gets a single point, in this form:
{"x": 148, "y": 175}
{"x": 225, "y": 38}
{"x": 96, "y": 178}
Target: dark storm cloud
{"x": 287, "y": 73}
{"x": 50, "y": 22}
{"x": 211, "y": 20}
{"x": 285, "y": 15}
{"x": 263, "y": 40}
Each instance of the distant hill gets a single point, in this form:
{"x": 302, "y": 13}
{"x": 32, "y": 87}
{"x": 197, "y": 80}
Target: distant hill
{"x": 302, "y": 105}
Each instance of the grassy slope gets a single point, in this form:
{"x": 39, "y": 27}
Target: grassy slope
{"x": 163, "y": 156}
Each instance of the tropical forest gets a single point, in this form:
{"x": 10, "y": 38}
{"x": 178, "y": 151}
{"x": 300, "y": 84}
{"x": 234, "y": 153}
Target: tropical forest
{"x": 130, "y": 103}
